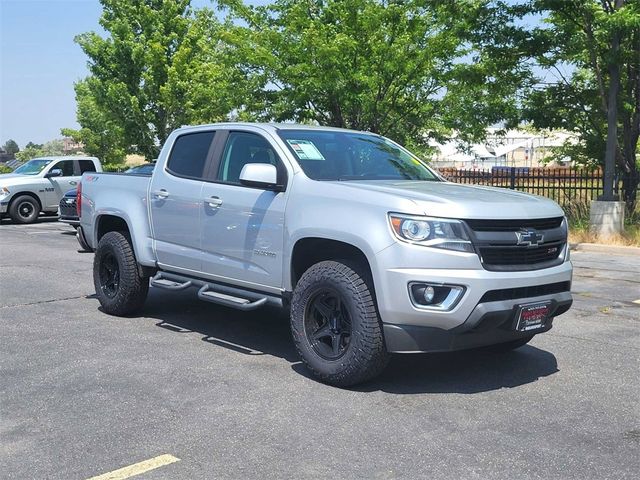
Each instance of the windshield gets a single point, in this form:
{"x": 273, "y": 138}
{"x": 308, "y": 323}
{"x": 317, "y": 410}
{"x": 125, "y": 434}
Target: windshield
{"x": 33, "y": 167}
{"x": 336, "y": 155}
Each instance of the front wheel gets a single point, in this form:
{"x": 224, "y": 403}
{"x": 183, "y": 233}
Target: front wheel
{"x": 24, "y": 209}
{"x": 335, "y": 324}
{"x": 119, "y": 287}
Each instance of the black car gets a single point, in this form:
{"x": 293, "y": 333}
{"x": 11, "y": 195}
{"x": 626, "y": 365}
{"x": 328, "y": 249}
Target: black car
{"x": 67, "y": 208}
{"x": 68, "y": 212}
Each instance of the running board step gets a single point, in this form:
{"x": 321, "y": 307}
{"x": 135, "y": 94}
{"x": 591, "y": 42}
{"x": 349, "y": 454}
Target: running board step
{"x": 160, "y": 282}
{"x": 229, "y": 300}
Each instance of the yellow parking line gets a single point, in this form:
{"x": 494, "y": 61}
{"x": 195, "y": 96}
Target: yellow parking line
{"x": 137, "y": 468}
{"x": 637, "y": 301}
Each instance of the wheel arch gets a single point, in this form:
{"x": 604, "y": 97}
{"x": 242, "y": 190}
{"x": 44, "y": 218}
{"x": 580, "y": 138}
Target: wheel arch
{"x": 308, "y": 251}
{"x": 111, "y": 223}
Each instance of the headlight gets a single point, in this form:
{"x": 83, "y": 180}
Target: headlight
{"x": 4, "y": 191}
{"x": 431, "y": 232}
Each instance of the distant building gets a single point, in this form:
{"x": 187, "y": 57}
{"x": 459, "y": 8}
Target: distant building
{"x": 70, "y": 146}
{"x": 514, "y": 148}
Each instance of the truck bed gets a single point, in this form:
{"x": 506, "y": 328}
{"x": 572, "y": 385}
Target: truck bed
{"x": 122, "y": 196}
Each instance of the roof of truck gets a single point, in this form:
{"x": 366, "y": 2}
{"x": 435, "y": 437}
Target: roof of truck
{"x": 274, "y": 126}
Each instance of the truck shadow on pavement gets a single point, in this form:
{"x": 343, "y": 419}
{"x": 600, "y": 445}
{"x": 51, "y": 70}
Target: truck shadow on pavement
{"x": 466, "y": 372}
{"x": 266, "y": 332}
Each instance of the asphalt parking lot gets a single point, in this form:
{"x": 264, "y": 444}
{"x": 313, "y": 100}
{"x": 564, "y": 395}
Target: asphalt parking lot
{"x": 83, "y": 394}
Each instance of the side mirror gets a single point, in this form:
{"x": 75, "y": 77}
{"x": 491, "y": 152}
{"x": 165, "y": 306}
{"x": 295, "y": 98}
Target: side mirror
{"x": 260, "y": 175}
{"x": 54, "y": 172}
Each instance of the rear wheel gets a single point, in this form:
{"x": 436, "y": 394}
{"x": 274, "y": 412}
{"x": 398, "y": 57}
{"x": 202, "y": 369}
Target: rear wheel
{"x": 335, "y": 324}
{"x": 119, "y": 287}
{"x": 24, "y": 209}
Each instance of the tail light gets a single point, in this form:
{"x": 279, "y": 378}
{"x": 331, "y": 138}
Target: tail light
{"x": 79, "y": 199}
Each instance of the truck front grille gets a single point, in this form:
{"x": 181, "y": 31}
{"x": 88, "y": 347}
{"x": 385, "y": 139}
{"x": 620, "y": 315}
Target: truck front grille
{"x": 515, "y": 255}
{"x": 510, "y": 245}
{"x": 67, "y": 209}
{"x": 514, "y": 225}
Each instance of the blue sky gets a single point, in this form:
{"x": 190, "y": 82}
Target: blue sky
{"x": 39, "y": 62}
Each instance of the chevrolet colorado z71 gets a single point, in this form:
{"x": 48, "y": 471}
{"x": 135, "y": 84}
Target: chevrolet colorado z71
{"x": 370, "y": 250}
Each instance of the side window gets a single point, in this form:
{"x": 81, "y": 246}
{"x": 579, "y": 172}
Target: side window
{"x": 189, "y": 154}
{"x": 66, "y": 166}
{"x": 243, "y": 148}
{"x": 86, "y": 166}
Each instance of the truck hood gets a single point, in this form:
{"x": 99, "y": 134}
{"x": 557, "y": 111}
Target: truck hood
{"x": 7, "y": 176}
{"x": 9, "y": 179}
{"x": 453, "y": 200}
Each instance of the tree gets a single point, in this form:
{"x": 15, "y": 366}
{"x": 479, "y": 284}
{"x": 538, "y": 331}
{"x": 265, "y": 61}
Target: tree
{"x": 600, "y": 100}
{"x": 207, "y": 81}
{"x": 163, "y": 65}
{"x": 51, "y": 148}
{"x": 129, "y": 70}
{"x": 11, "y": 147}
{"x": 406, "y": 69}
{"x": 101, "y": 135}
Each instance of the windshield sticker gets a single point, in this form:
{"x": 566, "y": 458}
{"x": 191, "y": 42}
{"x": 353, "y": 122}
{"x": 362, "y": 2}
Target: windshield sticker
{"x": 305, "y": 150}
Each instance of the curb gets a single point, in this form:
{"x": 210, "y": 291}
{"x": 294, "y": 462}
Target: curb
{"x": 602, "y": 248}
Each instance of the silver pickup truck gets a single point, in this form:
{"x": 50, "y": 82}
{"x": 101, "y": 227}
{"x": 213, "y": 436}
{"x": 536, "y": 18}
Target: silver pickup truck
{"x": 39, "y": 185}
{"x": 370, "y": 250}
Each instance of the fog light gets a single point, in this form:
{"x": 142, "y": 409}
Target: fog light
{"x": 429, "y": 293}
{"x": 435, "y": 297}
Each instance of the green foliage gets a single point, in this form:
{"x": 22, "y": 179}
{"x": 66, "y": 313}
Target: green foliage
{"x": 129, "y": 71}
{"x": 395, "y": 68}
{"x": 5, "y": 168}
{"x": 51, "y": 148}
{"x": 580, "y": 33}
{"x": 102, "y": 136}
{"x": 113, "y": 167}
{"x": 162, "y": 66}
{"x": 11, "y": 147}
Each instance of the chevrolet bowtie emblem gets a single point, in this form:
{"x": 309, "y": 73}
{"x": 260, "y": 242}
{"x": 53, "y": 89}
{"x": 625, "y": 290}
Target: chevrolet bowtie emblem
{"x": 529, "y": 238}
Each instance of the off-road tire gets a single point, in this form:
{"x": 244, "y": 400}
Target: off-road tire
{"x": 365, "y": 356}
{"x": 131, "y": 290}
{"x": 508, "y": 346}
{"x": 24, "y": 209}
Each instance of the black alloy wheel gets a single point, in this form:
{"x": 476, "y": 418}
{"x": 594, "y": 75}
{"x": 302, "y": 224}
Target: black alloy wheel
{"x": 327, "y": 324}
{"x": 109, "y": 275}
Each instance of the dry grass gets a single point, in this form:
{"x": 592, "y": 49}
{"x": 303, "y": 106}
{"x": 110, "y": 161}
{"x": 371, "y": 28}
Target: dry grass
{"x": 631, "y": 237}
{"x": 133, "y": 160}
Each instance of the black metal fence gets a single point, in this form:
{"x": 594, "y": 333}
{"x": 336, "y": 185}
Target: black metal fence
{"x": 567, "y": 186}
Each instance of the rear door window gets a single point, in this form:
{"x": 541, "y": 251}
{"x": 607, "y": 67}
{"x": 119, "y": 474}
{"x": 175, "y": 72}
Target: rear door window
{"x": 86, "y": 166}
{"x": 189, "y": 154}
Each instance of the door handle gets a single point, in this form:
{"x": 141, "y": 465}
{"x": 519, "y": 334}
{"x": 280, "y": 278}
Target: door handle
{"x": 213, "y": 202}
{"x": 162, "y": 193}
{"x": 73, "y": 183}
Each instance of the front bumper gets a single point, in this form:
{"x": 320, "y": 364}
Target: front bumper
{"x": 476, "y": 319}
{"x": 73, "y": 221}
{"x": 3, "y": 207}
{"x": 489, "y": 323}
